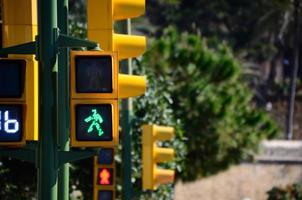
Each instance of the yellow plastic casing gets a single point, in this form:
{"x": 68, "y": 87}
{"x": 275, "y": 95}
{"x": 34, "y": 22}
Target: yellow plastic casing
{"x": 97, "y": 187}
{"x": 16, "y": 12}
{"x": 20, "y": 26}
{"x": 131, "y": 85}
{"x": 126, "y": 46}
{"x": 152, "y": 155}
{"x": 102, "y": 31}
{"x": 74, "y": 94}
{"x": 115, "y": 123}
{"x": 94, "y": 98}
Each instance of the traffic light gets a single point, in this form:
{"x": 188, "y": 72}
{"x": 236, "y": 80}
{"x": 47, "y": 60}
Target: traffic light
{"x": 153, "y": 176}
{"x": 100, "y": 23}
{"x": 94, "y": 99}
{"x": 18, "y": 75}
{"x": 96, "y": 87}
{"x": 104, "y": 175}
{"x": 100, "y": 27}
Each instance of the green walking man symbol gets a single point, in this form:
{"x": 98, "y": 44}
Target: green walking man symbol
{"x": 95, "y": 119}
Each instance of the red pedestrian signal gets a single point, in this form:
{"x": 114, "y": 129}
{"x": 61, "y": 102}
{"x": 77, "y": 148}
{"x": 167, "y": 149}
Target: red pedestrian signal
{"x": 105, "y": 176}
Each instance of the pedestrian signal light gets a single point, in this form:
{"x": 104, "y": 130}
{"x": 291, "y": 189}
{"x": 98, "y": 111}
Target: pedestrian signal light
{"x": 153, "y": 176}
{"x": 95, "y": 89}
{"x": 94, "y": 75}
{"x": 94, "y": 99}
{"x": 100, "y": 78}
{"x": 104, "y": 175}
{"x": 94, "y": 122}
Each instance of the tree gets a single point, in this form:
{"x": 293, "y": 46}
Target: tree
{"x": 251, "y": 28}
{"x": 211, "y": 99}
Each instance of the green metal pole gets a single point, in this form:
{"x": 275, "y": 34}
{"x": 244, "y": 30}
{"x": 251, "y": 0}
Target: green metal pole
{"x": 47, "y": 148}
{"x": 126, "y": 136}
{"x": 63, "y": 99}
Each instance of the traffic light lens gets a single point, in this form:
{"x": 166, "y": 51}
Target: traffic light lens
{"x": 105, "y": 195}
{"x": 11, "y": 123}
{"x": 105, "y": 176}
{"x": 94, "y": 74}
{"x": 105, "y": 157}
{"x": 12, "y": 73}
{"x": 94, "y": 122}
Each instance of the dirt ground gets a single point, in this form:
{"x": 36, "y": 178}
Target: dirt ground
{"x": 243, "y": 182}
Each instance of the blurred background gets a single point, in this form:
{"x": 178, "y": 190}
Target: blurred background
{"x": 225, "y": 74}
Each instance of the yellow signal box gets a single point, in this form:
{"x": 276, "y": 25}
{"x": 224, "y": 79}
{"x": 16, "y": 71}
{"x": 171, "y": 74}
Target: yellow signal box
{"x": 127, "y": 46}
{"x": 94, "y": 99}
{"x": 131, "y": 85}
{"x": 95, "y": 88}
{"x": 153, "y": 176}
{"x": 100, "y": 19}
{"x": 19, "y": 26}
{"x": 102, "y": 30}
{"x": 104, "y": 175}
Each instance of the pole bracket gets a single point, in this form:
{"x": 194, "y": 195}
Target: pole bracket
{"x": 65, "y": 41}
{"x": 26, "y": 48}
{"x": 28, "y": 154}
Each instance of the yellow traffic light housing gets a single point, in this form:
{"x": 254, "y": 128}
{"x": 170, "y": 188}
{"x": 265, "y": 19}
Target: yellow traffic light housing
{"x": 86, "y": 84}
{"x": 95, "y": 88}
{"x": 20, "y": 26}
{"x": 102, "y": 31}
{"x": 104, "y": 175}
{"x": 153, "y": 176}
{"x": 16, "y": 12}
{"x": 126, "y": 46}
{"x": 94, "y": 99}
{"x": 131, "y": 85}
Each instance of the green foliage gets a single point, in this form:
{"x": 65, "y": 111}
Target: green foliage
{"x": 78, "y": 29}
{"x": 81, "y": 177}
{"x": 291, "y": 192}
{"x": 196, "y": 87}
{"x": 211, "y": 99}
{"x": 155, "y": 108}
{"x": 18, "y": 180}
